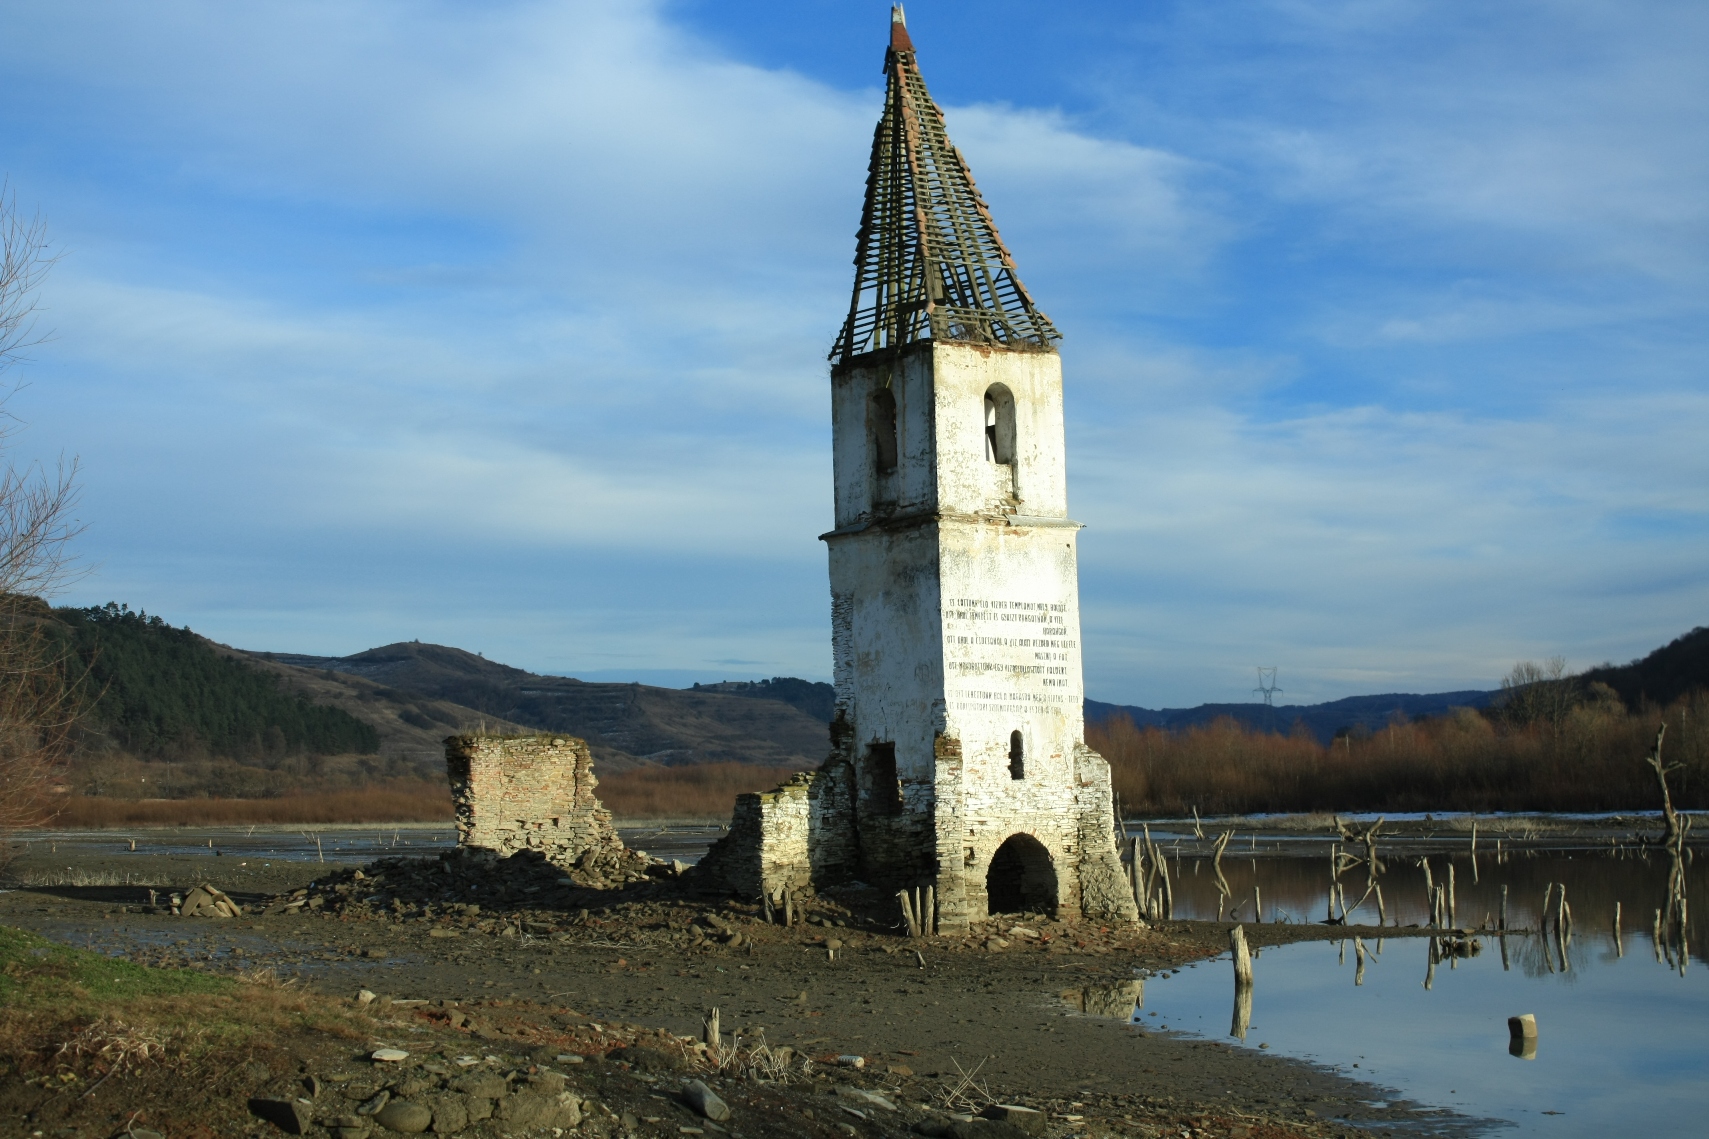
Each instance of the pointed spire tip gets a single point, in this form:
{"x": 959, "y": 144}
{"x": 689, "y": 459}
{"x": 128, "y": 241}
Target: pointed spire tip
{"x": 899, "y": 40}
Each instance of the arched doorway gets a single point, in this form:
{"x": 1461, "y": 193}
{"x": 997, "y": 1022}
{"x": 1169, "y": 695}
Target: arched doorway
{"x": 1021, "y": 878}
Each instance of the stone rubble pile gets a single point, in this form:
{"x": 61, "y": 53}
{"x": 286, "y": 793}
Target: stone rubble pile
{"x": 443, "y": 1098}
{"x": 466, "y": 881}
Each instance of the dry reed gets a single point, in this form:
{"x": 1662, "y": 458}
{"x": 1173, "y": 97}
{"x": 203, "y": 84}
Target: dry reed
{"x": 704, "y": 791}
{"x": 1461, "y": 761}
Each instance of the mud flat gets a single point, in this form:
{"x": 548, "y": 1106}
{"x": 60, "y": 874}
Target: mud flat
{"x": 539, "y": 964}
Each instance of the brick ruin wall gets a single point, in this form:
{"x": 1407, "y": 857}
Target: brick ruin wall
{"x": 516, "y": 793}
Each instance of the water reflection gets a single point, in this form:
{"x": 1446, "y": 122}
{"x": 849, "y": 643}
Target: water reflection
{"x": 1556, "y": 892}
{"x": 1618, "y": 1042}
{"x": 1119, "y": 1000}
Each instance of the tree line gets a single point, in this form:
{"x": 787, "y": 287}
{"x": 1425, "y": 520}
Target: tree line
{"x": 1552, "y": 742}
{"x": 159, "y": 691}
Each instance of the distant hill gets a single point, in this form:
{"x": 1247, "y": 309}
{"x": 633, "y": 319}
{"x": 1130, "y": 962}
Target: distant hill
{"x": 1325, "y": 721}
{"x": 1661, "y": 677}
{"x": 814, "y": 697}
{"x": 159, "y": 691}
{"x": 625, "y": 725}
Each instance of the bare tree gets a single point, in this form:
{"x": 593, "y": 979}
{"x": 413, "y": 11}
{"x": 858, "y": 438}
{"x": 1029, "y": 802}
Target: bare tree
{"x": 1533, "y": 693}
{"x": 39, "y": 696}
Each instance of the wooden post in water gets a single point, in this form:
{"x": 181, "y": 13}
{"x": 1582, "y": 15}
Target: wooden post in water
{"x": 1429, "y": 891}
{"x": 1359, "y": 961}
{"x": 1503, "y": 925}
{"x": 1453, "y": 914}
{"x": 1474, "y": 852}
{"x": 1619, "y": 949}
{"x": 1242, "y": 957}
{"x": 1382, "y": 913}
{"x": 1257, "y": 905}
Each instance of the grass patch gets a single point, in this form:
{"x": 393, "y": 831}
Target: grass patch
{"x": 71, "y": 1019}
{"x": 38, "y": 973}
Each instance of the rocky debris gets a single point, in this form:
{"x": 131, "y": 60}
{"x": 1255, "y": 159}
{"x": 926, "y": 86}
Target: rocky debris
{"x": 1027, "y": 1119}
{"x": 207, "y": 902}
{"x": 292, "y": 1116}
{"x": 402, "y": 1115}
{"x": 704, "y": 1100}
{"x": 465, "y": 881}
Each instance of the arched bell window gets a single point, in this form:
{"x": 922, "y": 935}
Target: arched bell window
{"x": 882, "y": 420}
{"x": 999, "y": 424}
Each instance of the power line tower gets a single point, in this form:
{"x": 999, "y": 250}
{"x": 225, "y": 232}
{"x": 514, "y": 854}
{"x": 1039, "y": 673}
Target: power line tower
{"x": 1266, "y": 686}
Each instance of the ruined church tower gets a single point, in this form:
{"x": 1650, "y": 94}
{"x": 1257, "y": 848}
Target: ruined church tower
{"x": 958, "y": 753}
{"x": 954, "y": 593}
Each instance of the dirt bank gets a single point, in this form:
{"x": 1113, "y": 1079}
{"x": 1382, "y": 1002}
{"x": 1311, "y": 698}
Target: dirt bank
{"x": 535, "y": 965}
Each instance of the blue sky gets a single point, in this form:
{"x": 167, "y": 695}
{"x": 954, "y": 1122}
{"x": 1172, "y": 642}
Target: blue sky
{"x": 504, "y": 325}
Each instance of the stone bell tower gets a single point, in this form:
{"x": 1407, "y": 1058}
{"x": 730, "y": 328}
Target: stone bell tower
{"x": 958, "y": 752}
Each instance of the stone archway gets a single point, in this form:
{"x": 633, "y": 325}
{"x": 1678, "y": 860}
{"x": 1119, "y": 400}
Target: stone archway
{"x": 1021, "y": 878}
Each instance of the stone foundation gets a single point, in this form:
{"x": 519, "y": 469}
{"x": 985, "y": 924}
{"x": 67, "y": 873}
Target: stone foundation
{"x": 516, "y": 793}
{"x": 819, "y": 830}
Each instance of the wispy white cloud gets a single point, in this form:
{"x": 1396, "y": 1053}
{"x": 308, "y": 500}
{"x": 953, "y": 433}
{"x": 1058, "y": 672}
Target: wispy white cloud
{"x": 505, "y": 325}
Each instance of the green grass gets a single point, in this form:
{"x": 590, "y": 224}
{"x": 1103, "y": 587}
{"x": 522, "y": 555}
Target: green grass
{"x": 36, "y": 972}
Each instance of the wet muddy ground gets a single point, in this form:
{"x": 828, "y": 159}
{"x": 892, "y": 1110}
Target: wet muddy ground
{"x": 1021, "y": 1007}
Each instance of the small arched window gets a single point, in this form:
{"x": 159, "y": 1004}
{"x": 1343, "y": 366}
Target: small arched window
{"x": 883, "y": 423}
{"x": 1017, "y": 756}
{"x": 999, "y": 424}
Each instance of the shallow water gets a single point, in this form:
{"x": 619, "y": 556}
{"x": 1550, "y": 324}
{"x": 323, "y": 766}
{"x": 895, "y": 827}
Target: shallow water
{"x": 336, "y": 844}
{"x": 1623, "y": 1032}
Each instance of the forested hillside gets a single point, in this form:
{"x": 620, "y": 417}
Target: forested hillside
{"x": 159, "y": 691}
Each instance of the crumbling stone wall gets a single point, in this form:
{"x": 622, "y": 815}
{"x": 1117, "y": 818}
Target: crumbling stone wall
{"x": 528, "y": 793}
{"x": 767, "y": 849}
{"x": 810, "y": 833}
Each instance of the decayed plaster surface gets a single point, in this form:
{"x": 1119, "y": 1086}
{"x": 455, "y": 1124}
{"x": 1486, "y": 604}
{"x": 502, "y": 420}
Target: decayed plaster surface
{"x": 955, "y": 625}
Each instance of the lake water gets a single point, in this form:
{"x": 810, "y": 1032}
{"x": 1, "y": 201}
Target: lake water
{"x": 341, "y": 843}
{"x": 1623, "y": 1031}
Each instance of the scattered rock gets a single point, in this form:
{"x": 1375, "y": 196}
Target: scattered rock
{"x": 291, "y": 1116}
{"x": 528, "y": 1109}
{"x": 490, "y": 1085}
{"x": 312, "y": 1085}
{"x": 207, "y": 902}
{"x": 852, "y": 1061}
{"x": 402, "y": 1115}
{"x": 366, "y": 997}
{"x": 704, "y": 1100}
{"x": 644, "y": 1059}
{"x": 380, "y": 1100}
{"x": 865, "y": 1098}
{"x": 450, "y": 1114}
{"x": 388, "y": 1055}
{"x": 1027, "y": 1119}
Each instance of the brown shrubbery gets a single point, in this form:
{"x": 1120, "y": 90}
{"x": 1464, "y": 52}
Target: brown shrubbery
{"x": 397, "y": 802}
{"x": 706, "y": 791}
{"x": 1585, "y": 757}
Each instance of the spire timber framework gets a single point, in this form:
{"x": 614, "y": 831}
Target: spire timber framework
{"x": 929, "y": 264}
